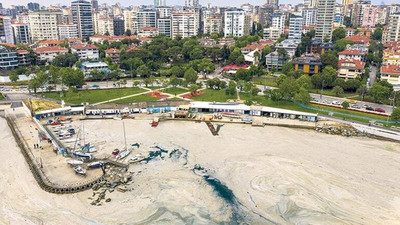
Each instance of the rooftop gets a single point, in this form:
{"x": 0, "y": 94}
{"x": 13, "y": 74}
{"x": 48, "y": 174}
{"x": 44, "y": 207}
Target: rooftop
{"x": 391, "y": 69}
{"x": 352, "y": 52}
{"x": 359, "y": 39}
{"x": 50, "y": 49}
{"x": 112, "y": 50}
{"x": 84, "y": 46}
{"x": 357, "y": 64}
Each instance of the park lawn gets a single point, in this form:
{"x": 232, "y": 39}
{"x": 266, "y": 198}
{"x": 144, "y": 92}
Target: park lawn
{"x": 139, "y": 98}
{"x": 211, "y": 95}
{"x": 329, "y": 92}
{"x": 267, "y": 81}
{"x": 94, "y": 96}
{"x": 154, "y": 87}
{"x": 175, "y": 90}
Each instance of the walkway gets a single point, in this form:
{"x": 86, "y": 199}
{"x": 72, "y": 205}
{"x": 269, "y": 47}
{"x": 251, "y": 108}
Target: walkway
{"x": 128, "y": 96}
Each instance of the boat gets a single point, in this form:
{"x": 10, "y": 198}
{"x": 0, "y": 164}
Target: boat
{"x": 89, "y": 148}
{"x": 137, "y": 158}
{"x": 124, "y": 153}
{"x": 74, "y": 162}
{"x": 136, "y": 145}
{"x": 71, "y": 140}
{"x": 82, "y": 155}
{"x": 64, "y": 136}
{"x": 95, "y": 165}
{"x": 115, "y": 152}
{"x": 79, "y": 170}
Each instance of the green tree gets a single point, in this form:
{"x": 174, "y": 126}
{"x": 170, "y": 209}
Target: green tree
{"x": 231, "y": 89}
{"x": 65, "y": 60}
{"x": 174, "y": 81}
{"x": 345, "y": 104}
{"x": 190, "y": 76}
{"x": 143, "y": 71}
{"x": 13, "y": 76}
{"x": 395, "y": 114}
{"x": 338, "y": 34}
{"x": 288, "y": 88}
{"x": 379, "y": 92}
{"x": 287, "y": 67}
{"x": 305, "y": 81}
{"x": 338, "y": 91}
{"x": 377, "y": 35}
{"x": 193, "y": 88}
{"x": 340, "y": 45}
{"x": 303, "y": 96}
{"x": 329, "y": 59}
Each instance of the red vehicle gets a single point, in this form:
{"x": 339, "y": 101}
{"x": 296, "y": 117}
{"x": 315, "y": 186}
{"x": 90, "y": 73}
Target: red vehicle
{"x": 380, "y": 110}
{"x": 115, "y": 152}
{"x": 55, "y": 123}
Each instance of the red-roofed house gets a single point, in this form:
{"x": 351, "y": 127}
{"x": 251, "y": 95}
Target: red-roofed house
{"x": 86, "y": 51}
{"x": 391, "y": 73}
{"x": 350, "y": 68}
{"x": 232, "y": 68}
{"x": 113, "y": 53}
{"x": 357, "y": 39}
{"x": 352, "y": 54}
{"x": 252, "y": 47}
{"x": 148, "y": 32}
{"x": 101, "y": 38}
{"x": 133, "y": 48}
{"x": 49, "y": 53}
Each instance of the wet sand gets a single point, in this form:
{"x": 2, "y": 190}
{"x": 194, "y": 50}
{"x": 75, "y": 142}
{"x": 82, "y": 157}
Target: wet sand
{"x": 269, "y": 175}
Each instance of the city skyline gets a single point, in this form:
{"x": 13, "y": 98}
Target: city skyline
{"x": 8, "y": 3}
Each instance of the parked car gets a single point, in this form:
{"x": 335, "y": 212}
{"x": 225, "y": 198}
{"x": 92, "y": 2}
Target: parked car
{"x": 380, "y": 110}
{"x": 336, "y": 103}
{"x": 369, "y": 108}
{"x": 355, "y": 106}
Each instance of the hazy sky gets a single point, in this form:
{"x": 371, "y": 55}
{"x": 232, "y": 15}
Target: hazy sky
{"x": 7, "y": 3}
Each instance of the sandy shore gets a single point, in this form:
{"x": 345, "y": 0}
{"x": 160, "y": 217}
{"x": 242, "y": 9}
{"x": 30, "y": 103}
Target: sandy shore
{"x": 269, "y": 175}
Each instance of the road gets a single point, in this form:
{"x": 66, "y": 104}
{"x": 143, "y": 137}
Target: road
{"x": 326, "y": 98}
{"x": 372, "y": 75}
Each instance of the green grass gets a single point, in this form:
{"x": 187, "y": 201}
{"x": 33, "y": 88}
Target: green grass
{"x": 139, "y": 98}
{"x": 294, "y": 106}
{"x": 2, "y": 97}
{"x": 154, "y": 87}
{"x": 211, "y": 95}
{"x": 175, "y": 90}
{"x": 175, "y": 99}
{"x": 330, "y": 92}
{"x": 94, "y": 96}
{"x": 267, "y": 81}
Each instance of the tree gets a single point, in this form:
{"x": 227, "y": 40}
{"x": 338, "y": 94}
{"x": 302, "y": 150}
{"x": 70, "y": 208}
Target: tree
{"x": 254, "y": 91}
{"x": 379, "y": 92}
{"x": 324, "y": 79}
{"x": 13, "y": 76}
{"x": 302, "y": 96}
{"x": 329, "y": 59}
{"x": 345, "y": 104}
{"x": 377, "y": 35}
{"x": 231, "y": 90}
{"x": 340, "y": 45}
{"x": 65, "y": 60}
{"x": 143, "y": 71}
{"x": 338, "y": 34}
{"x": 395, "y": 114}
{"x": 338, "y": 91}
{"x": 288, "y": 88}
{"x": 287, "y": 67}
{"x": 190, "y": 76}
{"x": 128, "y": 32}
{"x": 193, "y": 88}
{"x": 305, "y": 81}
{"x": 174, "y": 81}
{"x": 247, "y": 87}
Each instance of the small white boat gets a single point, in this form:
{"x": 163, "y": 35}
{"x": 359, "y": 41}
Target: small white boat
{"x": 95, "y": 165}
{"x": 124, "y": 153}
{"x": 71, "y": 140}
{"x": 79, "y": 170}
{"x": 74, "y": 162}
{"x": 136, "y": 158}
{"x": 82, "y": 155}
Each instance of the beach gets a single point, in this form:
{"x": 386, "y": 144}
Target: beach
{"x": 254, "y": 175}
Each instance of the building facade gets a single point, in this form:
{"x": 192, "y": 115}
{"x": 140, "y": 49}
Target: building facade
{"x": 43, "y": 25}
{"x": 392, "y": 30}
{"x": 6, "y": 31}
{"x": 68, "y": 31}
{"x": 21, "y": 33}
{"x": 234, "y": 23}
{"x": 184, "y": 24}
{"x": 326, "y": 9}
{"x": 82, "y": 16}
{"x": 295, "y": 27}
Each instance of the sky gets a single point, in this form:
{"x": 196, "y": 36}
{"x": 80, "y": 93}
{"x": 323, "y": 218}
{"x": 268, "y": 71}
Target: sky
{"x": 8, "y": 3}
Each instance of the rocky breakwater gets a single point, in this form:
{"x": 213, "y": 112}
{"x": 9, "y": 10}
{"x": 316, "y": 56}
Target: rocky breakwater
{"x": 340, "y": 129}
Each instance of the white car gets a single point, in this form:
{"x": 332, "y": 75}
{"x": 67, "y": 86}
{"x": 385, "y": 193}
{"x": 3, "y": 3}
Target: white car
{"x": 335, "y": 103}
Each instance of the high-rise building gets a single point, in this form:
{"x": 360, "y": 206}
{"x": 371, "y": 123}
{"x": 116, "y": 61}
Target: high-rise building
{"x": 82, "y": 16}
{"x": 164, "y": 12}
{"x": 32, "y": 6}
{"x": 6, "y": 33}
{"x": 68, "y": 31}
{"x": 119, "y": 28}
{"x": 392, "y": 31}
{"x": 192, "y": 3}
{"x": 274, "y": 3}
{"x": 326, "y": 9}
{"x": 130, "y": 20}
{"x": 277, "y": 20}
{"x": 21, "y": 33}
{"x": 158, "y": 3}
{"x": 95, "y": 4}
{"x": 184, "y": 24}
{"x": 368, "y": 19}
{"x": 43, "y": 25}
{"x": 234, "y": 22}
{"x": 164, "y": 26}
{"x": 295, "y": 27}
{"x": 105, "y": 25}
{"x": 358, "y": 12}
{"x": 311, "y": 3}
{"x": 147, "y": 18}
{"x": 346, "y": 6}
{"x": 309, "y": 16}
{"x": 213, "y": 24}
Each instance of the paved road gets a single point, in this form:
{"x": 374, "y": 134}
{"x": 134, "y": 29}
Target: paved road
{"x": 387, "y": 108}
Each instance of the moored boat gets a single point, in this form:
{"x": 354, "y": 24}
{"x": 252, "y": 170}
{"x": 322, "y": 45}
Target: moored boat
{"x": 74, "y": 162}
{"x": 124, "y": 153}
{"x": 79, "y": 170}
